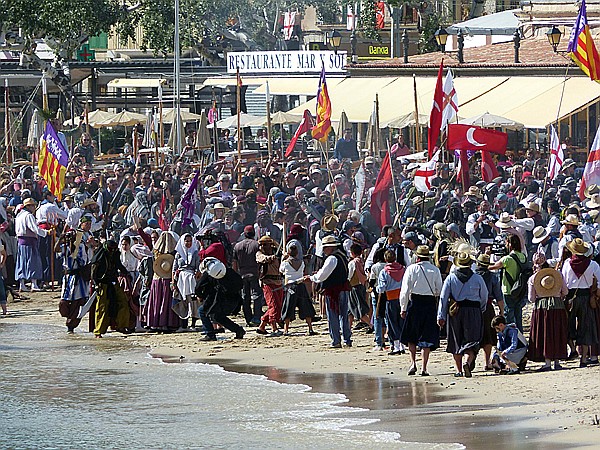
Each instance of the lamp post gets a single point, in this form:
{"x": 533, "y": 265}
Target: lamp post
{"x": 554, "y": 36}
{"x": 335, "y": 39}
{"x": 405, "y": 42}
{"x": 441, "y": 36}
{"x": 517, "y": 41}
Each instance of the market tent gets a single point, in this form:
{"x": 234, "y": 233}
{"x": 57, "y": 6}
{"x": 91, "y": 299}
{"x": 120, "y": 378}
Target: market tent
{"x": 488, "y": 120}
{"x": 406, "y": 120}
{"x": 231, "y": 122}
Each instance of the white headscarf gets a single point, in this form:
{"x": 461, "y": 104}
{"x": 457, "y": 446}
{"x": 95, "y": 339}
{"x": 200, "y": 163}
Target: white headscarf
{"x": 185, "y": 252}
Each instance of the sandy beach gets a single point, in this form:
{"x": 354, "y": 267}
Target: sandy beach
{"x": 556, "y": 409}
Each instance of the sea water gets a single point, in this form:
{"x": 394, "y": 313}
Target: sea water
{"x": 59, "y": 392}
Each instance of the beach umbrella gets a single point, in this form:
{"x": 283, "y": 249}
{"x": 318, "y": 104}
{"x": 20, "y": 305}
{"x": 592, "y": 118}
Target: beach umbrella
{"x": 124, "y": 119}
{"x": 231, "y": 122}
{"x": 278, "y": 118}
{"x": 168, "y": 116}
{"x": 95, "y": 117}
{"x": 172, "y": 135}
{"x": 343, "y": 123}
{"x": 148, "y": 141}
{"x": 488, "y": 120}
{"x": 406, "y": 120}
{"x": 202, "y": 133}
{"x": 36, "y": 126}
{"x": 60, "y": 117}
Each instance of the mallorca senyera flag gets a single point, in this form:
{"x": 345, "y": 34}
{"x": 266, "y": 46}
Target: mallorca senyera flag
{"x": 321, "y": 130}
{"x": 53, "y": 161}
{"x": 581, "y": 46}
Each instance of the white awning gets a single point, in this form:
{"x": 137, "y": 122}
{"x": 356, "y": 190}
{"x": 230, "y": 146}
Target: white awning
{"x": 131, "y": 83}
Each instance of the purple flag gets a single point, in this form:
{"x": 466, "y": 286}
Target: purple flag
{"x": 188, "y": 201}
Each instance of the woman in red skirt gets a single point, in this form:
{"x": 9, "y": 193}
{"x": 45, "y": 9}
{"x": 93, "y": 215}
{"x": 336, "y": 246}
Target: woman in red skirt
{"x": 549, "y": 326}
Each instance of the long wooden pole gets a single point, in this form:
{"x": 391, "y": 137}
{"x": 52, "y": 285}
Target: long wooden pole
{"x": 376, "y": 140}
{"x": 53, "y": 234}
{"x": 239, "y": 117}
{"x": 418, "y": 127}
{"x": 161, "y": 127}
{"x": 7, "y": 142}
{"x": 269, "y": 134}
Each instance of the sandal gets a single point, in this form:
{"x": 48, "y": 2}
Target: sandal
{"x": 412, "y": 371}
{"x": 458, "y": 375}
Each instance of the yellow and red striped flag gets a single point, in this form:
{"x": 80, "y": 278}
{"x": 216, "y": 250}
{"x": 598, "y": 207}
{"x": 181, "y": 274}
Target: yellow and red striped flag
{"x": 581, "y": 46}
{"x": 53, "y": 161}
{"x": 321, "y": 130}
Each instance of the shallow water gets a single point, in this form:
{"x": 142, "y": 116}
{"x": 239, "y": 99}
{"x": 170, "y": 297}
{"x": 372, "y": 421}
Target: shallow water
{"x": 60, "y": 391}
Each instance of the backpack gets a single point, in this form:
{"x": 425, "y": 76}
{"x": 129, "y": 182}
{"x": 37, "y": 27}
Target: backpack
{"x": 519, "y": 285}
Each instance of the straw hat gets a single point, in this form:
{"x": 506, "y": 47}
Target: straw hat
{"x": 266, "y": 240}
{"x": 329, "y": 241}
{"x": 483, "y": 260}
{"x": 594, "y": 202}
{"x": 548, "y": 282}
{"x": 29, "y": 201}
{"x": 423, "y": 251}
{"x": 88, "y": 202}
{"x": 329, "y": 222}
{"x": 571, "y": 219}
{"x": 591, "y": 190}
{"x": 440, "y": 231}
{"x": 578, "y": 247}
{"x": 539, "y": 234}
{"x": 218, "y": 206}
{"x": 474, "y": 191}
{"x": 568, "y": 163}
{"x": 463, "y": 260}
{"x": 163, "y": 265}
{"x": 505, "y": 221}
{"x": 533, "y": 206}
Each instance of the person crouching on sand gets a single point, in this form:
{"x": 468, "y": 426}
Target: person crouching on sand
{"x": 511, "y": 347}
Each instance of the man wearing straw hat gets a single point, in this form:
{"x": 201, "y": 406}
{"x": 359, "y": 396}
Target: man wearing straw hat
{"x": 480, "y": 226}
{"x": 272, "y": 284}
{"x": 421, "y": 287}
{"x": 463, "y": 299}
{"x": 333, "y": 277}
{"x": 546, "y": 245}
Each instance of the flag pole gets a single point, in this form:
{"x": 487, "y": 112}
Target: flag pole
{"x": 389, "y": 152}
{"x": 376, "y": 140}
{"x": 269, "y": 139}
{"x": 161, "y": 128}
{"x": 418, "y": 128}
{"x": 7, "y": 143}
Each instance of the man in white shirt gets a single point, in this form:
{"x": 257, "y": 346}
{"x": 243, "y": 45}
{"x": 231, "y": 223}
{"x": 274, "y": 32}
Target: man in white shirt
{"x": 28, "y": 263}
{"x": 48, "y": 216}
{"x": 421, "y": 288}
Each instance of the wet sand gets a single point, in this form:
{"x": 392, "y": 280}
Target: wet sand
{"x": 532, "y": 410}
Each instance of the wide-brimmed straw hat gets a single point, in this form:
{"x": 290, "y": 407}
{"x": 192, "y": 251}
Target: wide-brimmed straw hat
{"x": 266, "y": 240}
{"x": 548, "y": 282}
{"x": 163, "y": 265}
{"x": 88, "y": 202}
{"x": 29, "y": 202}
{"x": 571, "y": 219}
{"x": 591, "y": 190}
{"x": 505, "y": 221}
{"x": 593, "y": 202}
{"x": 474, "y": 191}
{"x": 463, "y": 260}
{"x": 218, "y": 206}
{"x": 578, "y": 246}
{"x": 539, "y": 234}
{"x": 330, "y": 222}
{"x": 423, "y": 251}
{"x": 483, "y": 260}
{"x": 329, "y": 241}
{"x": 533, "y": 206}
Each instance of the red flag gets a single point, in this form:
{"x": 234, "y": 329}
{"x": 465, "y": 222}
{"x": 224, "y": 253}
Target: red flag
{"x": 462, "y": 173}
{"x": 162, "y": 220}
{"x": 471, "y": 137}
{"x": 305, "y": 126}
{"x": 435, "y": 117}
{"x": 591, "y": 172}
{"x": 488, "y": 167}
{"x": 380, "y": 208}
{"x": 380, "y": 15}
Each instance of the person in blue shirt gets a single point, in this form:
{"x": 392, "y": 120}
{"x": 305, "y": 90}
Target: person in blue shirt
{"x": 346, "y": 147}
{"x": 511, "y": 349}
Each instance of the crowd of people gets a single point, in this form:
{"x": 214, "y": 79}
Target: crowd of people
{"x": 184, "y": 247}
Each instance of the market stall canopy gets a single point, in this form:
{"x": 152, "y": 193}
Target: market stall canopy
{"x": 231, "y": 122}
{"x": 406, "y": 120}
{"x": 94, "y": 117}
{"x": 124, "y": 118}
{"x": 168, "y": 116}
{"x": 278, "y": 118}
{"x": 488, "y": 120}
{"x": 536, "y": 105}
{"x": 132, "y": 83}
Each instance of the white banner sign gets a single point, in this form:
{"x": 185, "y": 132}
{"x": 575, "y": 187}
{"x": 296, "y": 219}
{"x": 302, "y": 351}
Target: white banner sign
{"x": 286, "y": 62}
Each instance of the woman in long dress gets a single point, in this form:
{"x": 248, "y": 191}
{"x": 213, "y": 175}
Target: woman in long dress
{"x": 186, "y": 272}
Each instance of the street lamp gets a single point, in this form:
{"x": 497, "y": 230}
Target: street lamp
{"x": 405, "y": 43}
{"x": 353, "y": 42}
{"x": 517, "y": 42}
{"x": 554, "y": 36}
{"x": 441, "y": 36}
{"x": 335, "y": 39}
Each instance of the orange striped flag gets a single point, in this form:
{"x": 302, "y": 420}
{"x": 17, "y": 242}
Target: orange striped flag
{"x": 321, "y": 130}
{"x": 53, "y": 161}
{"x": 581, "y": 46}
